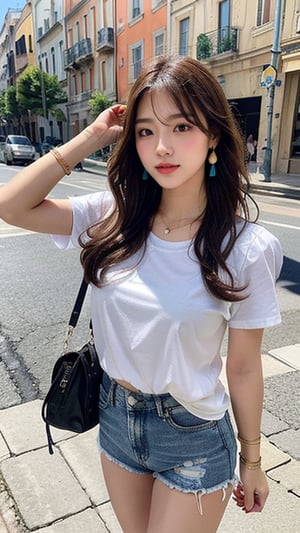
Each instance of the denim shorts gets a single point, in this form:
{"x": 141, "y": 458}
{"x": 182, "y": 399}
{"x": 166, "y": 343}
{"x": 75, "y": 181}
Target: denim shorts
{"x": 154, "y": 434}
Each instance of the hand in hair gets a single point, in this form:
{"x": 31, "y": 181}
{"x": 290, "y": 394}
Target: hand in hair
{"x": 108, "y": 125}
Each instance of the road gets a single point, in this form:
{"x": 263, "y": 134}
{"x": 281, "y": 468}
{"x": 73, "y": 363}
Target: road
{"x": 39, "y": 284}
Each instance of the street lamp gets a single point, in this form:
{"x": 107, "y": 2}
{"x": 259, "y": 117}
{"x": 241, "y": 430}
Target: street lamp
{"x": 271, "y": 90}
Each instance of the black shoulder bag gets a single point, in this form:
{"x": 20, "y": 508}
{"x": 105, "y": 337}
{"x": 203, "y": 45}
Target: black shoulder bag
{"x": 72, "y": 400}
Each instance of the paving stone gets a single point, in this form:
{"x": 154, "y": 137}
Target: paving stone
{"x": 288, "y": 441}
{"x": 43, "y": 487}
{"x": 270, "y": 424}
{"x": 88, "y": 521}
{"x": 280, "y": 515}
{"x": 82, "y": 455}
{"x": 271, "y": 455}
{"x": 9, "y": 520}
{"x": 4, "y": 451}
{"x": 273, "y": 367}
{"x": 109, "y": 518}
{"x": 289, "y": 355}
{"x": 23, "y": 428}
{"x": 288, "y": 475}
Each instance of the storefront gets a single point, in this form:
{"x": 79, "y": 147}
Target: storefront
{"x": 289, "y": 145}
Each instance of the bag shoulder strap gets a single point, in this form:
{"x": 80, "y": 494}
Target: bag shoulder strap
{"x": 78, "y": 304}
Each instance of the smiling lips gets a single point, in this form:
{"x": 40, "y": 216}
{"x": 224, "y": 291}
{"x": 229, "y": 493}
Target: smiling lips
{"x": 166, "y": 168}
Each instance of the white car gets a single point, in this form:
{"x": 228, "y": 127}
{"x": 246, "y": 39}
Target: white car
{"x": 18, "y": 149}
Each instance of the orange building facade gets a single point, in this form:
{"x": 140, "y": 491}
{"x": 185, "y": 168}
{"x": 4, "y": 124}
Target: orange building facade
{"x": 141, "y": 34}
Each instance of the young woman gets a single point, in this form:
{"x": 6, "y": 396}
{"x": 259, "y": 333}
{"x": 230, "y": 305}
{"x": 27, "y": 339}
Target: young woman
{"x": 173, "y": 260}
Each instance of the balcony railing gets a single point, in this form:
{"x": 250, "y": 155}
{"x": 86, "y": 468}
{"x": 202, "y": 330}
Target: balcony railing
{"x": 81, "y": 97}
{"x": 105, "y": 39}
{"x": 77, "y": 53}
{"x": 217, "y": 42}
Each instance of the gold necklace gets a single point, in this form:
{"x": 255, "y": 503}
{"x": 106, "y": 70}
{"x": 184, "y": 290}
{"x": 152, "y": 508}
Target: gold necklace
{"x": 168, "y": 229}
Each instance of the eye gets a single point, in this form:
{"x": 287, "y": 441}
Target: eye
{"x": 181, "y": 128}
{"x": 145, "y": 132}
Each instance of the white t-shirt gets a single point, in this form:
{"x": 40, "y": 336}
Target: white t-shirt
{"x": 155, "y": 324}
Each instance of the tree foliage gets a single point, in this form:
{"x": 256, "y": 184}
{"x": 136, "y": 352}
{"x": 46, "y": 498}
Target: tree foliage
{"x": 97, "y": 103}
{"x": 31, "y": 86}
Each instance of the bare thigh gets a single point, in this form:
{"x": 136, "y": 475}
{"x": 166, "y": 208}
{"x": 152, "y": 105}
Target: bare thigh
{"x": 145, "y": 505}
{"x": 130, "y": 496}
{"x": 177, "y": 512}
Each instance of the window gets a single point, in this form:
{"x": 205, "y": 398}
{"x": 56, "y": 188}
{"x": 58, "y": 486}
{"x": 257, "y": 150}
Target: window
{"x": 137, "y": 53}
{"x": 184, "y": 36}
{"x": 156, "y": 4}
{"x": 53, "y": 60}
{"x": 85, "y": 26}
{"x": 158, "y": 44}
{"x": 77, "y": 32}
{"x": 263, "y": 12}
{"x": 21, "y": 46}
{"x": 83, "y": 81}
{"x": 135, "y": 9}
{"x": 103, "y": 76}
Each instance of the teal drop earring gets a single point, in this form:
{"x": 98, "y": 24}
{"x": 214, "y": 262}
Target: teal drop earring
{"x": 212, "y": 159}
{"x": 145, "y": 175}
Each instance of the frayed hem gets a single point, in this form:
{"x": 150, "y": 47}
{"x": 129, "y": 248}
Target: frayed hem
{"x": 201, "y": 492}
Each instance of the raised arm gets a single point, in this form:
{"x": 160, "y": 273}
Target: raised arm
{"x": 23, "y": 200}
{"x": 245, "y": 381}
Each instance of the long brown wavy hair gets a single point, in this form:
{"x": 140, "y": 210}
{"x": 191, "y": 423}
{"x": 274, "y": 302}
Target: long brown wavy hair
{"x": 124, "y": 232}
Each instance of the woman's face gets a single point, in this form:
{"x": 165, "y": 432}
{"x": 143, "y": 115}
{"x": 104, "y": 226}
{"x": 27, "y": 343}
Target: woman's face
{"x": 171, "y": 149}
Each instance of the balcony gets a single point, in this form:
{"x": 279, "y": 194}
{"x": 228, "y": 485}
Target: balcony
{"x": 215, "y": 43}
{"x": 79, "y": 53}
{"x": 105, "y": 41}
{"x": 81, "y": 97}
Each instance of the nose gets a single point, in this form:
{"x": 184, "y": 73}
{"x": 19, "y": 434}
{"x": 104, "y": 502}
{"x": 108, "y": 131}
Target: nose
{"x": 163, "y": 146}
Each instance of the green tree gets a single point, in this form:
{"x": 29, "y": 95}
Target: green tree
{"x": 32, "y": 85}
{"x": 98, "y": 102}
{"x": 2, "y": 105}
{"x": 11, "y": 106}
{"x": 204, "y": 46}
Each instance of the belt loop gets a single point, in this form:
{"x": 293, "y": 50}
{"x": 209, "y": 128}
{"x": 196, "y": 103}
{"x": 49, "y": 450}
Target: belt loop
{"x": 159, "y": 406}
{"x": 111, "y": 392}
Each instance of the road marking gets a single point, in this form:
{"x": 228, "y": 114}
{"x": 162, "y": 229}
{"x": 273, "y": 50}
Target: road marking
{"x": 279, "y": 224}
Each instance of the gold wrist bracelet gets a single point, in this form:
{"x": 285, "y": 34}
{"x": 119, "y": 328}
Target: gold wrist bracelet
{"x": 248, "y": 442}
{"x": 61, "y": 161}
{"x": 251, "y": 465}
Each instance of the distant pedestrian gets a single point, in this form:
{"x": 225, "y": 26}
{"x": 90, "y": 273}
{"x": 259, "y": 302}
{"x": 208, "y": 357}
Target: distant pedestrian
{"x": 174, "y": 261}
{"x": 251, "y": 145}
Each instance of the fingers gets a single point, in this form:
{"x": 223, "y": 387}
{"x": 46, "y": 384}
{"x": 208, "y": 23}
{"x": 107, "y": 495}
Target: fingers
{"x": 119, "y": 109}
{"x": 252, "y": 503}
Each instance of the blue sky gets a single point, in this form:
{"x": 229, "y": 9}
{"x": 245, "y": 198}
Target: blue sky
{"x": 5, "y": 4}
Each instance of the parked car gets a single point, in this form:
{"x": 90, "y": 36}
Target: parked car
{"x": 2, "y": 143}
{"x": 49, "y": 143}
{"x": 18, "y": 149}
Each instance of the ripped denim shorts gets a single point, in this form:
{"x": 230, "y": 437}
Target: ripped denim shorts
{"x": 154, "y": 434}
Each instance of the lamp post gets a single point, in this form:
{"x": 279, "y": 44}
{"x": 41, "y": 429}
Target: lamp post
{"x": 275, "y": 51}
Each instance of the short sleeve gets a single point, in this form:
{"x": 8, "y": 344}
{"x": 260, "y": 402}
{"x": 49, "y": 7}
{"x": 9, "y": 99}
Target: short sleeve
{"x": 87, "y": 210}
{"x": 260, "y": 267}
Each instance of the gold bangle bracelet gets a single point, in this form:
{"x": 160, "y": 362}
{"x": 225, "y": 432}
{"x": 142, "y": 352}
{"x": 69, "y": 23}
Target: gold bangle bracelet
{"x": 248, "y": 442}
{"x": 61, "y": 161}
{"x": 251, "y": 465}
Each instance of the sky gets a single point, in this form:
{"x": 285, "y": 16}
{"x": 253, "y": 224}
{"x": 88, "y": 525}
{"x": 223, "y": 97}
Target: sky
{"x": 12, "y": 4}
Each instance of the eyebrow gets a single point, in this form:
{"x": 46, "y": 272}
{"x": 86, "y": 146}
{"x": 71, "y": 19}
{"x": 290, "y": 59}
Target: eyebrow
{"x": 150, "y": 120}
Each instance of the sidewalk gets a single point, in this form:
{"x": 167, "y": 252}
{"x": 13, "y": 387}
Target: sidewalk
{"x": 285, "y": 185}
{"x": 65, "y": 492}
{"x": 281, "y": 185}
